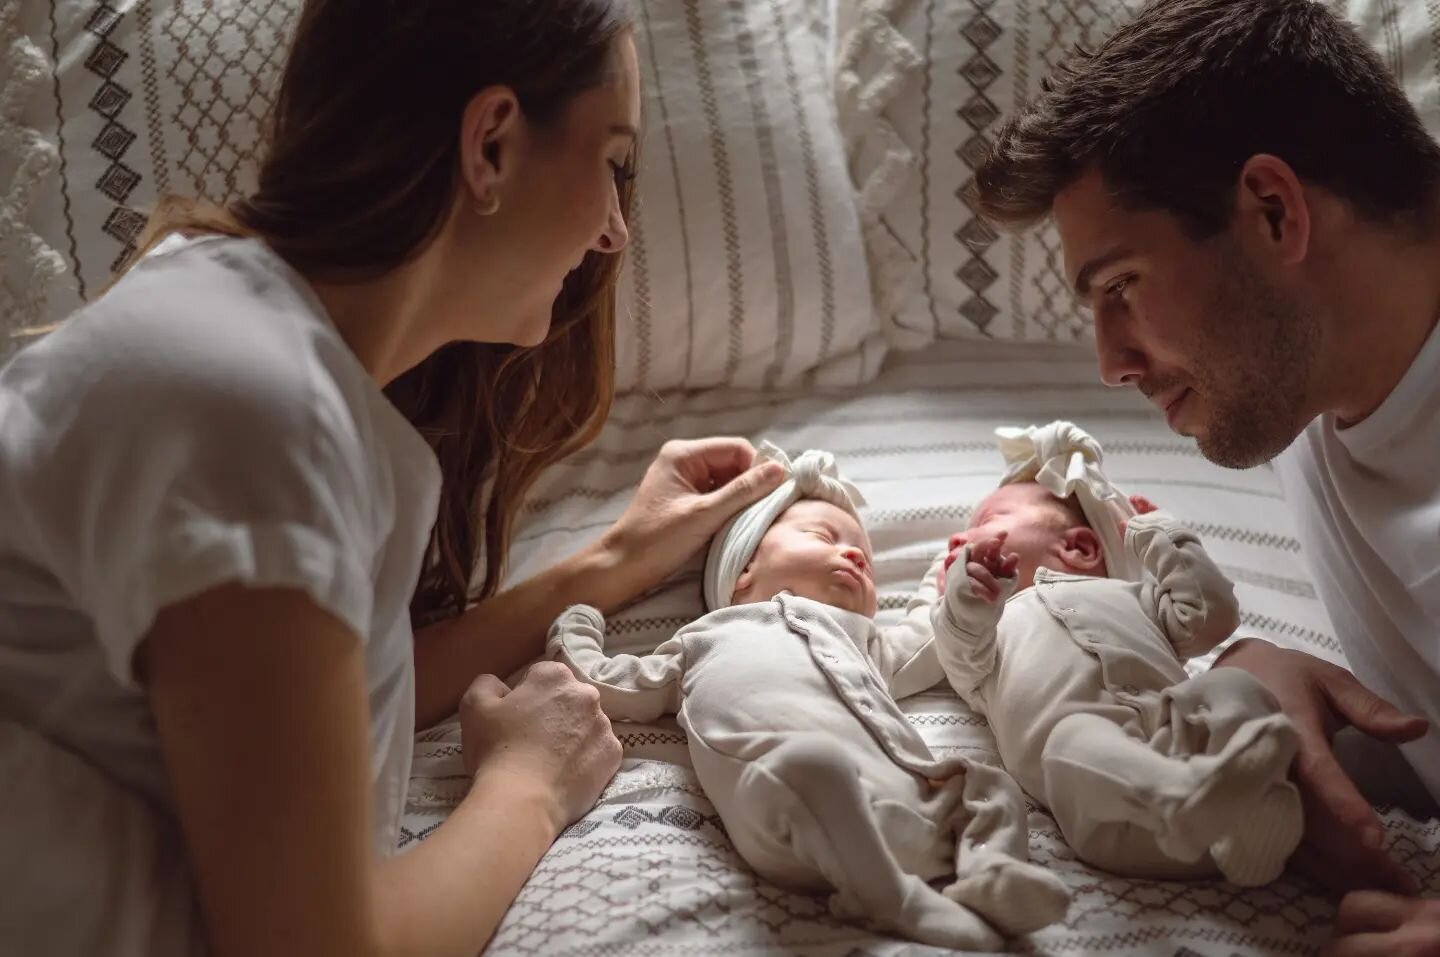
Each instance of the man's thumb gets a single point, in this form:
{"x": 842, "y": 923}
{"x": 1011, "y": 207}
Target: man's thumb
{"x": 745, "y": 489}
{"x": 1373, "y": 714}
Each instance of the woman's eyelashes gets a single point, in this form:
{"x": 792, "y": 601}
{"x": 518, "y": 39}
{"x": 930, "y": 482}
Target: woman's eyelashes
{"x": 623, "y": 171}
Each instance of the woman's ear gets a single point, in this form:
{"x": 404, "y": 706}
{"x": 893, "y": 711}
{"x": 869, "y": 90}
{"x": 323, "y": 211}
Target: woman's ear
{"x": 1081, "y": 550}
{"x": 488, "y": 138}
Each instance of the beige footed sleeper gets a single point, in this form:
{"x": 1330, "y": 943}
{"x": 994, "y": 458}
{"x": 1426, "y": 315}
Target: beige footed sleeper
{"x": 1148, "y": 773}
{"x": 821, "y": 781}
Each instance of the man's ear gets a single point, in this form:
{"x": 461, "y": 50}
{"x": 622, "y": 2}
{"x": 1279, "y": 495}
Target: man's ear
{"x": 1271, "y": 208}
{"x": 1081, "y": 549}
{"x": 488, "y": 139}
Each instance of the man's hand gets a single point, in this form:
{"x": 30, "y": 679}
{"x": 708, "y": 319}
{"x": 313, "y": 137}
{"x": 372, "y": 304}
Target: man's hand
{"x": 1343, "y": 844}
{"x": 1376, "y": 924}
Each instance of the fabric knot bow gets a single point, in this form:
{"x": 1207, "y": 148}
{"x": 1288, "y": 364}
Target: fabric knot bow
{"x": 1065, "y": 460}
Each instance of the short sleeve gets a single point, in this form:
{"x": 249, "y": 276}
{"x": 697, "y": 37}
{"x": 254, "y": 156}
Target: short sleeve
{"x": 184, "y": 462}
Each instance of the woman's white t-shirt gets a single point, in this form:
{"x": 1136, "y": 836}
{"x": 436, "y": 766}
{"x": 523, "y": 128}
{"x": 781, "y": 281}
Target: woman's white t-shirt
{"x": 201, "y": 423}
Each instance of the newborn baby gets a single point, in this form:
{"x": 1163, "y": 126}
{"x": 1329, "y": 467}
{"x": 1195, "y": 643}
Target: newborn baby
{"x": 785, "y": 690}
{"x": 1065, "y": 623}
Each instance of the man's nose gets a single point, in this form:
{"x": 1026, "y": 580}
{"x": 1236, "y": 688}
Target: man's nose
{"x": 1121, "y": 363}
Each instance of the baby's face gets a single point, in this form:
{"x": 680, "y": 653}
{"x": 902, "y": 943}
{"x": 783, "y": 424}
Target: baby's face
{"x": 1035, "y": 523}
{"x": 815, "y": 550}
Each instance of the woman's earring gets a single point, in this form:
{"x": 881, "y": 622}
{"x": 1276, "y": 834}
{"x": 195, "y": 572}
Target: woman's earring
{"x": 489, "y": 205}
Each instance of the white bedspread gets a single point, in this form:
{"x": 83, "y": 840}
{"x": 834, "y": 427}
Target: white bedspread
{"x": 650, "y": 872}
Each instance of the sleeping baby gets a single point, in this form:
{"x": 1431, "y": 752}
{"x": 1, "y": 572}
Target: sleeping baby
{"x": 786, "y": 690}
{"x": 1064, "y": 622}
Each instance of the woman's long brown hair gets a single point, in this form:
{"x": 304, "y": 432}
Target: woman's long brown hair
{"x": 360, "y": 171}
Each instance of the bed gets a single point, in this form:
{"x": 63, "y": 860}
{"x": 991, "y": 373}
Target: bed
{"x": 803, "y": 269}
{"x": 650, "y": 872}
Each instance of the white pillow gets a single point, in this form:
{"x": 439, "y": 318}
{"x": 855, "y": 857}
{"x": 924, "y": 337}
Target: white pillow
{"x": 147, "y": 99}
{"x": 747, "y": 265}
{"x": 924, "y": 85}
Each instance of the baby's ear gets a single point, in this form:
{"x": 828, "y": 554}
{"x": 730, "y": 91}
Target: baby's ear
{"x": 1081, "y": 549}
{"x": 746, "y": 579}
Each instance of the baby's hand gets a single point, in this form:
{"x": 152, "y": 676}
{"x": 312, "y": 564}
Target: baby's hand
{"x": 988, "y": 563}
{"x": 1142, "y": 506}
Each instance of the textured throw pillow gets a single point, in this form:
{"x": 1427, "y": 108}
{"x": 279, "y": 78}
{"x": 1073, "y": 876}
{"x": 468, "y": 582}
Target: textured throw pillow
{"x": 923, "y": 85}
{"x": 746, "y": 266}
{"x": 139, "y": 100}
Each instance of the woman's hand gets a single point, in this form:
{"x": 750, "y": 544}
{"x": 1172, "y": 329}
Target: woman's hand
{"x": 691, "y": 489}
{"x": 547, "y": 733}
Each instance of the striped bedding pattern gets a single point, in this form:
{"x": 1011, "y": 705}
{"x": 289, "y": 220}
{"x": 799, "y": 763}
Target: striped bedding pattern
{"x": 746, "y": 264}
{"x": 650, "y": 872}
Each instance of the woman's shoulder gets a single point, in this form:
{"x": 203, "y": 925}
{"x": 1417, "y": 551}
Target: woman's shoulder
{"x": 213, "y": 335}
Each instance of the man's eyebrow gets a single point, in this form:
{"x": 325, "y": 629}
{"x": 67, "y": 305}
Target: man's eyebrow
{"x": 625, "y": 129}
{"x": 1086, "y": 276}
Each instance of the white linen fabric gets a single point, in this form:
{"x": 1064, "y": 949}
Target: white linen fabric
{"x": 651, "y": 870}
{"x": 1367, "y": 500}
{"x": 204, "y": 423}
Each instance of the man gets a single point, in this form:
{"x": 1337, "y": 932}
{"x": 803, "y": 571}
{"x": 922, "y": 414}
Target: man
{"x": 1251, "y": 207}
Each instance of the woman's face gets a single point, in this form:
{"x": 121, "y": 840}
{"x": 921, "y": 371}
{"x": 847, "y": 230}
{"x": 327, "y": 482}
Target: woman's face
{"x": 560, "y": 200}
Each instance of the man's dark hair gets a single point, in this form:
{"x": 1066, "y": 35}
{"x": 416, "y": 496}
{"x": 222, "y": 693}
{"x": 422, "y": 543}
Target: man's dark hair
{"x": 1172, "y": 105}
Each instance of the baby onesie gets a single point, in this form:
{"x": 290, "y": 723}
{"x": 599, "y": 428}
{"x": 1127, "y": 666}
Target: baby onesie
{"x": 820, "y": 779}
{"x": 1148, "y": 773}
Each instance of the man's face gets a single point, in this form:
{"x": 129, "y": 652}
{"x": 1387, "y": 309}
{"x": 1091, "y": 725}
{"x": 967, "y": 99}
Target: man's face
{"x": 1214, "y": 343}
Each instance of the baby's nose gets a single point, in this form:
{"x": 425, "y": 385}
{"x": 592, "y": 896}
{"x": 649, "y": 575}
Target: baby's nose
{"x": 957, "y": 540}
{"x": 856, "y": 556}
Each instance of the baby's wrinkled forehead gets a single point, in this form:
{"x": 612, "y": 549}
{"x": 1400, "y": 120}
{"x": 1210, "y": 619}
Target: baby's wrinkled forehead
{"x": 1023, "y": 495}
{"x": 1014, "y": 496}
{"x": 815, "y": 509}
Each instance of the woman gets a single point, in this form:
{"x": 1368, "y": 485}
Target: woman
{"x": 214, "y": 520}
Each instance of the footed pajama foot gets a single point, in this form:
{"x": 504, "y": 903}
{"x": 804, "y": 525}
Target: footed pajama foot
{"x": 1016, "y": 896}
{"x": 926, "y": 916}
{"x": 1262, "y": 839}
